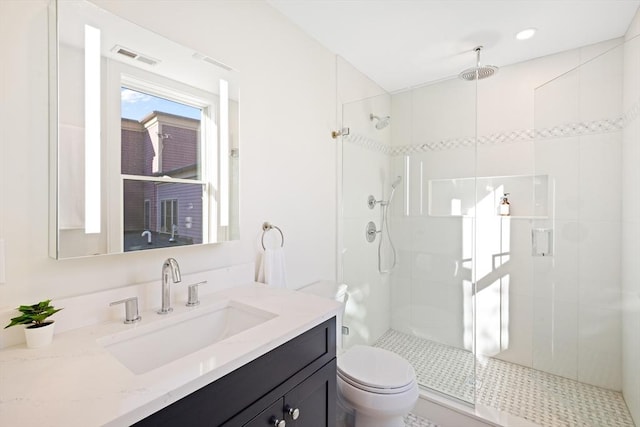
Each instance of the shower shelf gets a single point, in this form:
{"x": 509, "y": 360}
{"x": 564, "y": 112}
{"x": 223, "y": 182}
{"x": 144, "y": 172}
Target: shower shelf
{"x": 528, "y": 195}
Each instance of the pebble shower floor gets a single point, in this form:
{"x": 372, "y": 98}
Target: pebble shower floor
{"x": 542, "y": 398}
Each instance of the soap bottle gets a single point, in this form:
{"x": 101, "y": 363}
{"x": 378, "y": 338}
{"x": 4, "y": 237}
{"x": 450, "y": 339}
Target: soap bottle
{"x": 505, "y": 208}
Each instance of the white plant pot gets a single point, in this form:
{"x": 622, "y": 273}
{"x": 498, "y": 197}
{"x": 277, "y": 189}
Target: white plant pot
{"x": 39, "y": 337}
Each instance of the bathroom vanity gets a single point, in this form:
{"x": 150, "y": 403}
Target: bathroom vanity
{"x": 281, "y": 368}
{"x": 295, "y": 382}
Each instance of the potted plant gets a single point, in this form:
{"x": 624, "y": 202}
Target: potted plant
{"x": 39, "y": 332}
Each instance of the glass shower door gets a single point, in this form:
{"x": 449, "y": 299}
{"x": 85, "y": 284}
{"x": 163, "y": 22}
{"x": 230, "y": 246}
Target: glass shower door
{"x": 433, "y": 286}
{"x": 576, "y": 328}
{"x": 365, "y": 172}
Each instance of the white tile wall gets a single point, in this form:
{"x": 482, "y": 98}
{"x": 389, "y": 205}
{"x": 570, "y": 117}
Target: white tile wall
{"x": 599, "y": 265}
{"x": 601, "y": 82}
{"x": 599, "y": 172}
{"x": 558, "y": 158}
{"x": 506, "y": 160}
{"x": 631, "y": 224}
{"x": 599, "y": 355}
{"x": 453, "y": 116}
{"x": 555, "y": 278}
{"x": 561, "y": 98}
{"x": 555, "y": 337}
{"x": 518, "y": 347}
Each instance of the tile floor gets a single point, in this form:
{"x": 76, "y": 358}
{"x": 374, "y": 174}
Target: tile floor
{"x": 412, "y": 420}
{"x": 542, "y": 398}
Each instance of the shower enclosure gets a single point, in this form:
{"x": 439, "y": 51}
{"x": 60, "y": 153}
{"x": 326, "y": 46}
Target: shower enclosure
{"x": 529, "y": 313}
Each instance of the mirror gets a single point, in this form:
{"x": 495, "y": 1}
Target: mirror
{"x": 144, "y": 138}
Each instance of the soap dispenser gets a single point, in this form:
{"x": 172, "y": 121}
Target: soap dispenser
{"x": 505, "y": 208}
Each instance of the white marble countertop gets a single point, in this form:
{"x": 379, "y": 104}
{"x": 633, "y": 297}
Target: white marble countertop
{"x": 77, "y": 382}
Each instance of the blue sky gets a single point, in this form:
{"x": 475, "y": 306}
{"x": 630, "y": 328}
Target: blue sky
{"x": 136, "y": 105}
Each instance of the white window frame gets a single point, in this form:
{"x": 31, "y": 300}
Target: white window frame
{"x": 120, "y": 75}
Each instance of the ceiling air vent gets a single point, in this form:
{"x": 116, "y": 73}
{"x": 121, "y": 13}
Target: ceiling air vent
{"x": 129, "y": 53}
{"x": 211, "y": 61}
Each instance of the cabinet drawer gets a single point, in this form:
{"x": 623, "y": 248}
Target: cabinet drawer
{"x": 219, "y": 401}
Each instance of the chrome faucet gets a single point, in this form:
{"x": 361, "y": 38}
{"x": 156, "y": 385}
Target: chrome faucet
{"x": 169, "y": 264}
{"x": 148, "y": 234}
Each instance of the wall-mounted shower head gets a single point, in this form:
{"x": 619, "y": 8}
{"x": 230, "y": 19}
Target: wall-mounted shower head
{"x": 382, "y": 122}
{"x": 479, "y": 71}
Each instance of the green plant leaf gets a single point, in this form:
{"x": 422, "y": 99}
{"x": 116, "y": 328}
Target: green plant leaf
{"x": 35, "y": 313}
{"x": 20, "y": 320}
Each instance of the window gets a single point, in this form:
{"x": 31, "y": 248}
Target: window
{"x": 163, "y": 135}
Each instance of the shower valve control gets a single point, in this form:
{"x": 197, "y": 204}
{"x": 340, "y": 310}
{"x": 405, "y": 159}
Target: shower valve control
{"x": 371, "y": 231}
{"x": 371, "y": 202}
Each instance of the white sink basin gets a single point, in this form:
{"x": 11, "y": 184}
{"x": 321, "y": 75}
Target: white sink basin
{"x": 147, "y": 347}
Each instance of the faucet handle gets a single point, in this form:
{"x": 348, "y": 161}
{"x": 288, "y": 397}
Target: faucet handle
{"x": 131, "y": 314}
{"x": 193, "y": 294}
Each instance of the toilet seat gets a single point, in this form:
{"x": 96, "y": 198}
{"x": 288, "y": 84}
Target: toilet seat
{"x": 375, "y": 370}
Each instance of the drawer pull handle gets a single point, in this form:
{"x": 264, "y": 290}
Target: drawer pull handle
{"x": 275, "y": 422}
{"x": 293, "y": 412}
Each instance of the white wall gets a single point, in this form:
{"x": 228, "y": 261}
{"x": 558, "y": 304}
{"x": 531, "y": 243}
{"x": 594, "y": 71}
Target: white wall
{"x": 288, "y": 159}
{"x": 558, "y": 314}
{"x": 631, "y": 222}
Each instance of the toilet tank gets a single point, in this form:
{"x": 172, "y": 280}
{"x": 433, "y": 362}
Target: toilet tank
{"x": 331, "y": 290}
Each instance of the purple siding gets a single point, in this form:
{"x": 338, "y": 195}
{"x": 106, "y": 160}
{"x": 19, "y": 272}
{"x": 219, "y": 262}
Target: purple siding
{"x": 189, "y": 198}
{"x": 180, "y": 150}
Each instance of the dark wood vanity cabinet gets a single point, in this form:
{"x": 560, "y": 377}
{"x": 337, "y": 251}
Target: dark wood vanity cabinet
{"x": 309, "y": 404}
{"x": 296, "y": 380}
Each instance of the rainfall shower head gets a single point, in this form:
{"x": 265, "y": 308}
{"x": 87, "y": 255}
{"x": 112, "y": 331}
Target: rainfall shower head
{"x": 382, "y": 122}
{"x": 479, "y": 71}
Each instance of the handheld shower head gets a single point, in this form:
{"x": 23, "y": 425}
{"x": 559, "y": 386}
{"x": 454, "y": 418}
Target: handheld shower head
{"x": 394, "y": 184}
{"x": 382, "y": 122}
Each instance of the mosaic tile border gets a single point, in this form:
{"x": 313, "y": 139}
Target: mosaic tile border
{"x": 523, "y": 135}
{"x": 593, "y": 127}
{"x": 368, "y": 143}
{"x": 542, "y": 398}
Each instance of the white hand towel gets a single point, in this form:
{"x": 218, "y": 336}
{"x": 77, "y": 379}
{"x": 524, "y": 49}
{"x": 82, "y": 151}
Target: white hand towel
{"x": 272, "y": 269}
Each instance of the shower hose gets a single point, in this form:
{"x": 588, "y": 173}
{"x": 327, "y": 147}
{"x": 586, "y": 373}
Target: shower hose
{"x": 385, "y": 228}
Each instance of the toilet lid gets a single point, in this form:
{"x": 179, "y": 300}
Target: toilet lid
{"x": 376, "y": 370}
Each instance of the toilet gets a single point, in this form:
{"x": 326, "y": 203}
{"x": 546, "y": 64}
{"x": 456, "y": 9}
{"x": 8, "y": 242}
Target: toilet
{"x": 376, "y": 387}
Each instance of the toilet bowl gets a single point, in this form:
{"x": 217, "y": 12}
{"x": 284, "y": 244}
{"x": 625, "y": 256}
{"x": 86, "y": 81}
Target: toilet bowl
{"x": 376, "y": 387}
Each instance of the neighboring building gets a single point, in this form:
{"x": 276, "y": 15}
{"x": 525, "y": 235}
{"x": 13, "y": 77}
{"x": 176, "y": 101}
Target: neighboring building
{"x": 162, "y": 144}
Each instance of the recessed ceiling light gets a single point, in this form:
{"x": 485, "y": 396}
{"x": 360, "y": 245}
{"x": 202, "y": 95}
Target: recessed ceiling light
{"x": 526, "y": 34}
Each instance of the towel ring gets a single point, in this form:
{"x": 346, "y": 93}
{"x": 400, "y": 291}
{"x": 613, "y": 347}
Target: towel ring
{"x": 267, "y": 227}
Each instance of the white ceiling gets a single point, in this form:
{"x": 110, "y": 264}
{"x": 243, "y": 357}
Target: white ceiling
{"x": 403, "y": 43}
